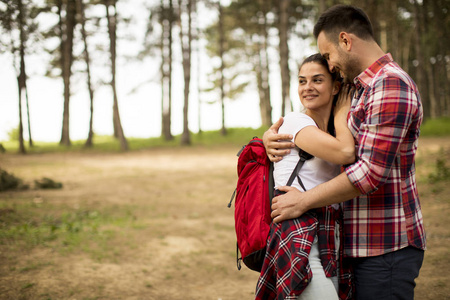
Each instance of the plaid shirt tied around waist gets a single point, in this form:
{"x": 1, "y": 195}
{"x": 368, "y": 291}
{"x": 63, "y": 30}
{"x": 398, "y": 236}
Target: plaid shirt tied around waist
{"x": 384, "y": 119}
{"x": 286, "y": 271}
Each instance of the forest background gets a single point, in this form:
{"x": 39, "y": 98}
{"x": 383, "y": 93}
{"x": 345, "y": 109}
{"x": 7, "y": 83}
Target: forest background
{"x": 131, "y": 113}
{"x": 163, "y": 68}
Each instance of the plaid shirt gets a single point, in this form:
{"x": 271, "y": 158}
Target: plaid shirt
{"x": 286, "y": 271}
{"x": 385, "y": 118}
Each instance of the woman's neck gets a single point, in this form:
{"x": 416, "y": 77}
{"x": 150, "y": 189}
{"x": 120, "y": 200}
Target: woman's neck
{"x": 320, "y": 117}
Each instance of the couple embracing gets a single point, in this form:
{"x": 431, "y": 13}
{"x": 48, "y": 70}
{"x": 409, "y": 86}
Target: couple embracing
{"x": 360, "y": 190}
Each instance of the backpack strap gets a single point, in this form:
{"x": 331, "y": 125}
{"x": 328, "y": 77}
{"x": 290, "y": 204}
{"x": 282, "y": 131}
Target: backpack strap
{"x": 304, "y": 156}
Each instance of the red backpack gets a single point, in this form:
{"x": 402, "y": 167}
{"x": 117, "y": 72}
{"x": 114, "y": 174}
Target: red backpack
{"x": 254, "y": 193}
{"x": 252, "y": 205}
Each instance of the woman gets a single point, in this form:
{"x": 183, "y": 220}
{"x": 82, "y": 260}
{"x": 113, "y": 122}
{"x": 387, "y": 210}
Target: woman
{"x": 301, "y": 258}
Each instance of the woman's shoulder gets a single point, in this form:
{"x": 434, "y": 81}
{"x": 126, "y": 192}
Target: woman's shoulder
{"x": 298, "y": 117}
{"x": 294, "y": 122}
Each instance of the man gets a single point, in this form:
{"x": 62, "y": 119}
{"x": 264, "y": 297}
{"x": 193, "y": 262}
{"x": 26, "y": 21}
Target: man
{"x": 384, "y": 236}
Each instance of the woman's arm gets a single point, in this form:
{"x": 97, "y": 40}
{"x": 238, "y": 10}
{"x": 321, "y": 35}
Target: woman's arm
{"x": 339, "y": 149}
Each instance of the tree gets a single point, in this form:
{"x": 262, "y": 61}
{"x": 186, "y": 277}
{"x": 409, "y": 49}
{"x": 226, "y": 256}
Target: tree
{"x": 252, "y": 18}
{"x": 167, "y": 18}
{"x": 111, "y": 15}
{"x": 415, "y": 32}
{"x": 229, "y": 76}
{"x": 18, "y": 21}
{"x": 284, "y": 54}
{"x": 185, "y": 7}
{"x": 67, "y": 22}
{"x": 81, "y": 8}
{"x": 222, "y": 65}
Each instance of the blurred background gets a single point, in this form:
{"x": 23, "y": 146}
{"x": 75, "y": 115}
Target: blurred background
{"x": 104, "y": 96}
{"x": 74, "y": 69}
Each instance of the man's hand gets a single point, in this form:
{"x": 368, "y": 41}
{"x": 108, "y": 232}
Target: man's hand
{"x": 277, "y": 145}
{"x": 288, "y": 206}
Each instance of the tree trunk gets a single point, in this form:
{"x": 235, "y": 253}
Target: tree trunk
{"x": 112, "y": 25}
{"x": 199, "y": 92}
{"x": 21, "y": 79}
{"x": 284, "y": 55}
{"x": 66, "y": 31}
{"x": 186, "y": 42}
{"x": 21, "y": 142}
{"x": 420, "y": 68}
{"x": 30, "y": 139}
{"x": 441, "y": 64}
{"x": 23, "y": 74}
{"x": 263, "y": 66}
{"x": 322, "y": 6}
{"x": 222, "y": 67}
{"x": 89, "y": 140}
{"x": 166, "y": 69}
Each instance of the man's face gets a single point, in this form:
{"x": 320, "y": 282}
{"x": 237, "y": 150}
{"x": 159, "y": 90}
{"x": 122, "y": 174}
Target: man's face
{"x": 338, "y": 59}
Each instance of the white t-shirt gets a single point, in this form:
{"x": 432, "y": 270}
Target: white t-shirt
{"x": 314, "y": 171}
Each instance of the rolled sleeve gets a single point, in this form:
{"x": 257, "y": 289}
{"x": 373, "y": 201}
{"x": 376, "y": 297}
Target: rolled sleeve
{"x": 385, "y": 117}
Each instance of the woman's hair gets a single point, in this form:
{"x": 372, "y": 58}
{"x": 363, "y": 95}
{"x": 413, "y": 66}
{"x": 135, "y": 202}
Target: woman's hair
{"x": 319, "y": 59}
{"x": 344, "y": 18}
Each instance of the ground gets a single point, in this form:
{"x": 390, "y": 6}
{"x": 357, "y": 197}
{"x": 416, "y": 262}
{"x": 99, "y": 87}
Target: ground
{"x": 154, "y": 224}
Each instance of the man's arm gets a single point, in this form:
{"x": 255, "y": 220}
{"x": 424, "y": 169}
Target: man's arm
{"x": 295, "y": 203}
{"x": 277, "y": 145}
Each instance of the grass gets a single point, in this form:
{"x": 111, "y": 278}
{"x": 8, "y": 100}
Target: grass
{"x": 235, "y": 136}
{"x": 28, "y": 225}
{"x": 436, "y": 127}
{"x": 102, "y": 144}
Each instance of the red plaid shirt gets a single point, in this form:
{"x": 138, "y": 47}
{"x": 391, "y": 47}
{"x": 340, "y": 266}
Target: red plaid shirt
{"x": 286, "y": 271}
{"x": 385, "y": 118}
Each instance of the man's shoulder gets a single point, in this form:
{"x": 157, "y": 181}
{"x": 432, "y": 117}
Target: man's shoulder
{"x": 392, "y": 75}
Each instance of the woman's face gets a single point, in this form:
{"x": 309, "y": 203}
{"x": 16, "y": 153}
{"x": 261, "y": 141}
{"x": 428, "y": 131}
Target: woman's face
{"x": 315, "y": 86}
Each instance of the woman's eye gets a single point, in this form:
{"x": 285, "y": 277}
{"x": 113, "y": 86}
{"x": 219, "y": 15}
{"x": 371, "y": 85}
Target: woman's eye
{"x": 302, "y": 81}
{"x": 318, "y": 80}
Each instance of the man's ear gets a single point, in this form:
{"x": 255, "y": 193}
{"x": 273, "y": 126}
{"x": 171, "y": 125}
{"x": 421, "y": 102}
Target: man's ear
{"x": 345, "y": 40}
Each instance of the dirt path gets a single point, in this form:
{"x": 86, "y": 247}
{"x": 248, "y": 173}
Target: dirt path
{"x": 171, "y": 234}
{"x": 183, "y": 246}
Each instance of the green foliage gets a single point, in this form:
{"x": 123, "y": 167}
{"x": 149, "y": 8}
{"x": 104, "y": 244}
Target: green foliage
{"x": 436, "y": 127}
{"x": 441, "y": 173}
{"x": 47, "y": 183}
{"x": 10, "y": 182}
{"x": 13, "y": 134}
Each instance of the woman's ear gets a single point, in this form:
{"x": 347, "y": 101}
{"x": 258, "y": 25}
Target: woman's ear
{"x": 336, "y": 87}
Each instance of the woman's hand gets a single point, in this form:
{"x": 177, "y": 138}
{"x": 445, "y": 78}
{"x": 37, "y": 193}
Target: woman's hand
{"x": 276, "y": 144}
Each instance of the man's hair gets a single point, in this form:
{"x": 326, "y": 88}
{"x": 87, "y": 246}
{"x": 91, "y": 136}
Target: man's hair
{"x": 347, "y": 18}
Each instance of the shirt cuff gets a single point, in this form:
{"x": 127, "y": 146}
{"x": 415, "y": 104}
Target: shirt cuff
{"x": 359, "y": 175}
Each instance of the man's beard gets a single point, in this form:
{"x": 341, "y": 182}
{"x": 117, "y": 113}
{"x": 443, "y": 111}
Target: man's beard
{"x": 351, "y": 69}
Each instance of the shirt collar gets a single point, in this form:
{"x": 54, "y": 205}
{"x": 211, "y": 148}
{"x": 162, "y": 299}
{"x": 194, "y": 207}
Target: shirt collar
{"x": 366, "y": 77}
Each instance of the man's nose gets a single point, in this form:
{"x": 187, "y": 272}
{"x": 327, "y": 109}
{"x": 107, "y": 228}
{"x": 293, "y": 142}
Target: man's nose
{"x": 331, "y": 67}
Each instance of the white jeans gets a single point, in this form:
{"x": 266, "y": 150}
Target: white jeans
{"x": 320, "y": 287}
